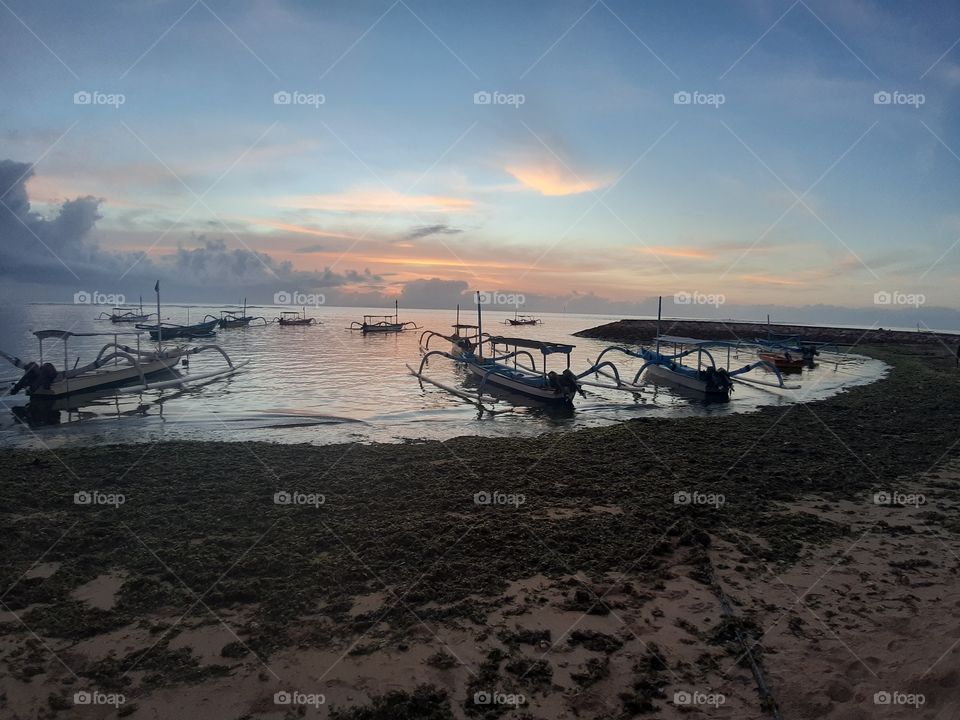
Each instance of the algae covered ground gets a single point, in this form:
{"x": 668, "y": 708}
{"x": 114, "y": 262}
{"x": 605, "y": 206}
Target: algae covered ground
{"x": 361, "y": 546}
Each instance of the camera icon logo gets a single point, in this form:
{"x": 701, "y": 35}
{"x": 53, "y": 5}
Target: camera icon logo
{"x": 882, "y": 498}
{"x": 482, "y": 697}
{"x": 882, "y": 698}
{"x": 482, "y": 97}
{"x": 282, "y": 698}
{"x": 282, "y": 97}
{"x": 882, "y": 298}
{"x": 81, "y": 297}
{"x": 82, "y": 498}
{"x": 82, "y": 697}
{"x": 682, "y": 498}
{"x": 281, "y": 298}
{"x": 882, "y": 98}
{"x": 682, "y": 697}
{"x": 682, "y": 298}
{"x": 682, "y": 98}
{"x": 481, "y": 498}
{"x": 282, "y": 498}
{"x": 82, "y": 97}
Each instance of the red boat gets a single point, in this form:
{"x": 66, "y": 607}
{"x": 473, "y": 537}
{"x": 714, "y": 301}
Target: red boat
{"x": 783, "y": 361}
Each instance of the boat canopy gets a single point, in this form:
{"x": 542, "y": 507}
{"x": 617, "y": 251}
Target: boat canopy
{"x": 547, "y": 348}
{"x": 466, "y": 327}
{"x": 64, "y": 334}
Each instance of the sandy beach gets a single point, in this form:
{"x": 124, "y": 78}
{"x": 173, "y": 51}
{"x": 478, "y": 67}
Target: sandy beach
{"x": 661, "y": 568}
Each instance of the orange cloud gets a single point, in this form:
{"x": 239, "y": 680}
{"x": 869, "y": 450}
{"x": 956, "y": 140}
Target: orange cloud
{"x": 678, "y": 252}
{"x": 770, "y": 280}
{"x": 300, "y": 229}
{"x": 553, "y": 180}
{"x": 378, "y": 202}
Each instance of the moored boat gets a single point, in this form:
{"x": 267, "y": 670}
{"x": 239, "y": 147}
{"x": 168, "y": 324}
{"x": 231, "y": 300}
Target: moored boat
{"x": 172, "y": 331}
{"x": 384, "y": 323}
{"x": 115, "y": 366}
{"x": 294, "y": 317}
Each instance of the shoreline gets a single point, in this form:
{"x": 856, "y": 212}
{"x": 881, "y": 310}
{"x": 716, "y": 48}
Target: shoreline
{"x": 591, "y": 597}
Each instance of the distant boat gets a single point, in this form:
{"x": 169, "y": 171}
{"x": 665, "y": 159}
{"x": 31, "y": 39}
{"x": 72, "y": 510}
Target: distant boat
{"x": 236, "y": 317}
{"x": 126, "y": 314}
{"x": 172, "y": 331}
{"x": 384, "y": 323}
{"x": 294, "y": 317}
{"x": 523, "y": 320}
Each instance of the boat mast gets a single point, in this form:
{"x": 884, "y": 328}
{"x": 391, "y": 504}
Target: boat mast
{"x": 659, "y": 309}
{"x": 479, "y": 324}
{"x": 396, "y": 310}
{"x": 458, "y": 315}
{"x": 156, "y": 289}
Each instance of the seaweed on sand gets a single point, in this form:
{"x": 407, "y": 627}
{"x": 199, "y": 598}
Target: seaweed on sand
{"x": 425, "y": 703}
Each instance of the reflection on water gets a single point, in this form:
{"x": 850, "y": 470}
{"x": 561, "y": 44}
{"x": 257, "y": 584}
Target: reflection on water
{"x": 325, "y": 384}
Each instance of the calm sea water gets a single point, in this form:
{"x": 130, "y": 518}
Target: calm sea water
{"x": 325, "y": 384}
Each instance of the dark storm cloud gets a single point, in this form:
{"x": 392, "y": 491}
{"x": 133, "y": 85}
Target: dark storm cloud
{"x": 428, "y": 230}
{"x": 60, "y": 250}
{"x": 33, "y": 245}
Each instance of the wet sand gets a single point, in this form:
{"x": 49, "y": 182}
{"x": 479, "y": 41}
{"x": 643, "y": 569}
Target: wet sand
{"x": 578, "y": 587}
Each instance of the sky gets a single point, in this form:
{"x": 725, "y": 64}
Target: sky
{"x": 589, "y": 154}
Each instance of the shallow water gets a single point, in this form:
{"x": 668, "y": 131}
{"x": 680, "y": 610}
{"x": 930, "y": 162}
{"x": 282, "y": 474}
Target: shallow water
{"x": 325, "y": 384}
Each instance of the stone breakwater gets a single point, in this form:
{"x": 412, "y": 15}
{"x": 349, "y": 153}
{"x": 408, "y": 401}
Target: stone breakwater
{"x": 645, "y": 330}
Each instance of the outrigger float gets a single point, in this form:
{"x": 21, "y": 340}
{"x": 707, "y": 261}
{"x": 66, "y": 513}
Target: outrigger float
{"x": 384, "y": 323}
{"x": 126, "y": 368}
{"x": 522, "y": 376}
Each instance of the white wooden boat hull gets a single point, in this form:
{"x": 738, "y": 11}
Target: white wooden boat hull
{"x": 502, "y": 381}
{"x": 661, "y": 374}
{"x": 106, "y": 377}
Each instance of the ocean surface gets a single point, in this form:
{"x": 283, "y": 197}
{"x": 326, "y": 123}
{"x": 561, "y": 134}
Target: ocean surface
{"x": 326, "y": 384}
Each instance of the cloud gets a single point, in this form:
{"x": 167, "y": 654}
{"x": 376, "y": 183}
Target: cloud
{"x": 380, "y": 202}
{"x": 215, "y": 263}
{"x": 434, "y": 293}
{"x": 33, "y": 245}
{"x": 60, "y": 250}
{"x": 310, "y": 249}
{"x": 428, "y": 230}
{"x": 553, "y": 179}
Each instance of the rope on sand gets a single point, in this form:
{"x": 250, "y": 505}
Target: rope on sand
{"x": 765, "y": 693}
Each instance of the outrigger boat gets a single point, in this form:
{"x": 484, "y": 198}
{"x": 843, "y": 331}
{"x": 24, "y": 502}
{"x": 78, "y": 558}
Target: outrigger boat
{"x": 126, "y": 314}
{"x": 384, "y": 323}
{"x": 236, "y": 317}
{"x": 703, "y": 377}
{"x": 131, "y": 369}
{"x": 172, "y": 331}
{"x": 785, "y": 361}
{"x": 523, "y": 320}
{"x": 522, "y": 376}
{"x": 294, "y": 317}
{"x": 464, "y": 337}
